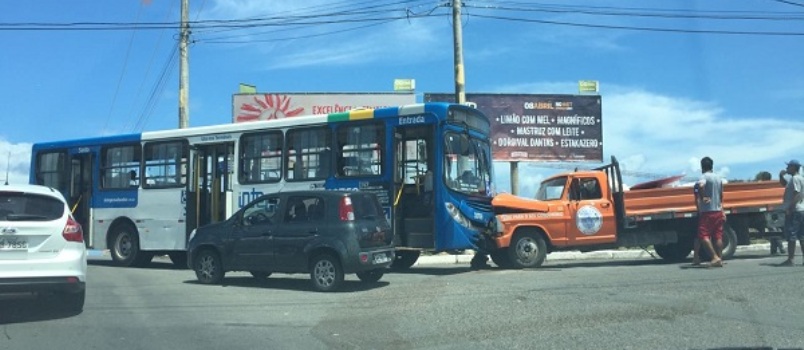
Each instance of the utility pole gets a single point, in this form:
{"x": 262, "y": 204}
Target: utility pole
{"x": 184, "y": 74}
{"x": 457, "y": 33}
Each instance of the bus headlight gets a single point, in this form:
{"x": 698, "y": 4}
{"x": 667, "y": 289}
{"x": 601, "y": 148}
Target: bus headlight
{"x": 192, "y": 234}
{"x": 457, "y": 216}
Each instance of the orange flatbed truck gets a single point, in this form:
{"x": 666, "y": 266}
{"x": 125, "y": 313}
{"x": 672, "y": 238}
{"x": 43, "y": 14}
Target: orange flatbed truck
{"x": 591, "y": 210}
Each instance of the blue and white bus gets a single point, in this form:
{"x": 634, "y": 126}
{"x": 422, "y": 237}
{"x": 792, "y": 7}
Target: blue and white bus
{"x": 142, "y": 194}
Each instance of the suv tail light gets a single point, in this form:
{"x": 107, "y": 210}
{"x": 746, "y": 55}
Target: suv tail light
{"x": 345, "y": 209}
{"x": 72, "y": 231}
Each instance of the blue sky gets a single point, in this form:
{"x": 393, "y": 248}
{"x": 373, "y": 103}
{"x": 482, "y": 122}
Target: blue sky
{"x": 670, "y": 97}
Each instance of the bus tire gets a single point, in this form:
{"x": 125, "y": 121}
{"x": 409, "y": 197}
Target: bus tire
{"x": 125, "y": 247}
{"x": 527, "y": 250}
{"x": 405, "y": 259}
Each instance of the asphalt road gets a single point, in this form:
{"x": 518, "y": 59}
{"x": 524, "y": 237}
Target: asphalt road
{"x": 636, "y": 304}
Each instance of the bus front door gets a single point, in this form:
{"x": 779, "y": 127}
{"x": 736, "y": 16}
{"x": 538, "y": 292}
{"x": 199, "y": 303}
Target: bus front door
{"x": 80, "y": 192}
{"x": 413, "y": 211}
{"x": 209, "y": 195}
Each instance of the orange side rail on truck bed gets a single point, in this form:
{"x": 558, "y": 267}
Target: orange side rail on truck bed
{"x": 658, "y": 203}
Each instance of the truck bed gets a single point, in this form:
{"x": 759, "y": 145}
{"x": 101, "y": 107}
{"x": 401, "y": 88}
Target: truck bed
{"x": 674, "y": 202}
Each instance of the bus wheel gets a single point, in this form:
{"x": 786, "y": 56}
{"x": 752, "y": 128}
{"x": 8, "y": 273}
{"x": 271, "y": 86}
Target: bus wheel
{"x": 527, "y": 250}
{"x": 125, "y": 248}
{"x": 179, "y": 259}
{"x": 405, "y": 259}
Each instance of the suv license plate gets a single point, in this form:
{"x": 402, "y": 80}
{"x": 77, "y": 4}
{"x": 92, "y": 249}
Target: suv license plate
{"x": 381, "y": 258}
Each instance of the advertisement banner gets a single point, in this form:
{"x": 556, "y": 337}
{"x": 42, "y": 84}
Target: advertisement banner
{"x": 266, "y": 106}
{"x": 536, "y": 127}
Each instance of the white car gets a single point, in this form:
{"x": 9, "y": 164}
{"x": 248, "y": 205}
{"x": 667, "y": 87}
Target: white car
{"x": 41, "y": 246}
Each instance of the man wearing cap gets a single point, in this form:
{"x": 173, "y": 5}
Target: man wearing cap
{"x": 793, "y": 206}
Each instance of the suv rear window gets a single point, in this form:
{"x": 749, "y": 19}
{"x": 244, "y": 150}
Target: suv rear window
{"x": 17, "y": 206}
{"x": 366, "y": 207}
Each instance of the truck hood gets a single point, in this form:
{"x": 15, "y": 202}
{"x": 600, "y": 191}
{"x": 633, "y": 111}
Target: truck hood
{"x": 508, "y": 203}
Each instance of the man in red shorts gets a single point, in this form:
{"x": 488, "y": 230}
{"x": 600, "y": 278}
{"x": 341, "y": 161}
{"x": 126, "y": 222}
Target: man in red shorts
{"x": 709, "y": 199}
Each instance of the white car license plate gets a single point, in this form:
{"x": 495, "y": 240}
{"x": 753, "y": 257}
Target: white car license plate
{"x": 13, "y": 243}
{"x": 381, "y": 258}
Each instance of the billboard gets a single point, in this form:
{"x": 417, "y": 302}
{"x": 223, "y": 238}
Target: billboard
{"x": 277, "y": 105}
{"x": 531, "y": 127}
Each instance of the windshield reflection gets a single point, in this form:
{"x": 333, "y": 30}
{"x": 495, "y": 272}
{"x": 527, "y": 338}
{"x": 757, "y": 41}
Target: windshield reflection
{"x": 467, "y": 166}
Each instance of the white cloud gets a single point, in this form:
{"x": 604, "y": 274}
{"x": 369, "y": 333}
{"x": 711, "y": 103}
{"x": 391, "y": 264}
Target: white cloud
{"x": 15, "y": 160}
{"x": 669, "y": 131}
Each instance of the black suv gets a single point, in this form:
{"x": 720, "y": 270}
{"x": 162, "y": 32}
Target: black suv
{"x": 325, "y": 233}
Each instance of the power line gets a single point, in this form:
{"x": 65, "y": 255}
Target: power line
{"x": 156, "y": 91}
{"x": 123, "y": 71}
{"x": 635, "y": 28}
{"x": 222, "y": 40}
{"x": 790, "y": 3}
{"x": 663, "y": 14}
{"x": 363, "y": 14}
{"x": 148, "y": 68}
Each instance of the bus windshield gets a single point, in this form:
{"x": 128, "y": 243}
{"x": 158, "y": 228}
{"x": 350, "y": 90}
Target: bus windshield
{"x": 551, "y": 189}
{"x": 467, "y": 164}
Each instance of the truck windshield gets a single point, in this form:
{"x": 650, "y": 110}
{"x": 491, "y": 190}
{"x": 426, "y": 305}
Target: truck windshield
{"x": 467, "y": 167}
{"x": 551, "y": 189}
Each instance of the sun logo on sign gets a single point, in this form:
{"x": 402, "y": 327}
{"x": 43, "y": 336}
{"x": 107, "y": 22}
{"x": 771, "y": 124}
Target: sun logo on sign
{"x": 267, "y": 107}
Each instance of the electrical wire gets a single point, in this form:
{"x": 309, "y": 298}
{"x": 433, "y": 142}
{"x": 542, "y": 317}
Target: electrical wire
{"x": 645, "y": 29}
{"x": 148, "y": 69}
{"x": 123, "y": 71}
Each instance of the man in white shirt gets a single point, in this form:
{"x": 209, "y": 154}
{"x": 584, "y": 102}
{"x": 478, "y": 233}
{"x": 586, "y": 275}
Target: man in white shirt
{"x": 793, "y": 206}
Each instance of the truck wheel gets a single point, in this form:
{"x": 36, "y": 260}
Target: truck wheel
{"x": 405, "y": 259}
{"x": 527, "y": 250}
{"x": 675, "y": 252}
{"x": 729, "y": 244}
{"x": 125, "y": 247}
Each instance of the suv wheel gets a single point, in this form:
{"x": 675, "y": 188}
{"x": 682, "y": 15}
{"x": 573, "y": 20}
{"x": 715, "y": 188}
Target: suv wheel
{"x": 208, "y": 267}
{"x": 326, "y": 273}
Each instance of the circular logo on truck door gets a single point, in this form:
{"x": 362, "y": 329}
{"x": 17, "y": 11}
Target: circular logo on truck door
{"x": 588, "y": 220}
